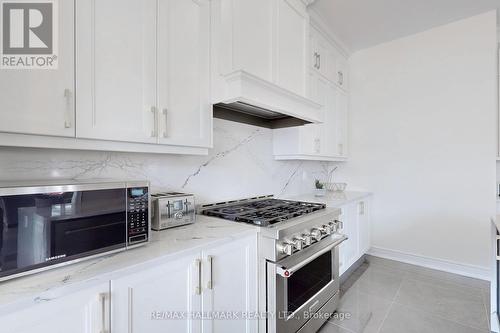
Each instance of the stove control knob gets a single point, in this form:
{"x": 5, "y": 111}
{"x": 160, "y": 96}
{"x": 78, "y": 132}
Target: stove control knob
{"x": 327, "y": 229}
{"x": 285, "y": 249}
{"x": 316, "y": 234}
{"x": 333, "y": 227}
{"x": 306, "y": 239}
{"x": 297, "y": 243}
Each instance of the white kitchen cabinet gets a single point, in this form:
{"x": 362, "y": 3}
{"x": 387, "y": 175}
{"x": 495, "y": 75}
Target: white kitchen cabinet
{"x": 327, "y": 141}
{"x": 184, "y": 73}
{"x": 341, "y": 121}
{"x": 357, "y": 226}
{"x": 323, "y": 55}
{"x": 172, "y": 296}
{"x": 292, "y": 27}
{"x": 116, "y": 70}
{"x": 157, "y": 91}
{"x": 267, "y": 39}
{"x": 363, "y": 212}
{"x": 231, "y": 286}
{"x": 41, "y": 101}
{"x": 85, "y": 311}
{"x": 161, "y": 299}
{"x": 342, "y": 75}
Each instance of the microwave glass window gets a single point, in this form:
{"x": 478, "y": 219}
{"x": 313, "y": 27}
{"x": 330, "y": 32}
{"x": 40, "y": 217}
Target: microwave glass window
{"x": 40, "y": 229}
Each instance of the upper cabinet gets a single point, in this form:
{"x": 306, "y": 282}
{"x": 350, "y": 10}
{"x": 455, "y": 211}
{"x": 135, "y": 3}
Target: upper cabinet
{"x": 116, "y": 70}
{"x": 41, "y": 101}
{"x": 260, "y": 52}
{"x": 292, "y": 30}
{"x": 327, "y": 86}
{"x": 327, "y": 60}
{"x": 157, "y": 91}
{"x": 184, "y": 73}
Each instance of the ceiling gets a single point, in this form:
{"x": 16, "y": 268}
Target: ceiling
{"x": 361, "y": 24}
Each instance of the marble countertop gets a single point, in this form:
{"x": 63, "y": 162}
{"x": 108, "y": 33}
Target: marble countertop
{"x": 332, "y": 199}
{"x": 164, "y": 246}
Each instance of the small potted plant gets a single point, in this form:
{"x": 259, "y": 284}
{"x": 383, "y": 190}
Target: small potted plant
{"x": 320, "y": 189}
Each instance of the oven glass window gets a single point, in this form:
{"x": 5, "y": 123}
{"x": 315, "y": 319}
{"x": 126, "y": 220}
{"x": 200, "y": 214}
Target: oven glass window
{"x": 309, "y": 280}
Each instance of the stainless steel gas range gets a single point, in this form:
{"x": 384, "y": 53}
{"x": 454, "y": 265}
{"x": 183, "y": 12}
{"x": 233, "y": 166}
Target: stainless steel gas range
{"x": 298, "y": 246}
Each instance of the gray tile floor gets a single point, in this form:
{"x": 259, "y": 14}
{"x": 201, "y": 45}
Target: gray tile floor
{"x": 385, "y": 296}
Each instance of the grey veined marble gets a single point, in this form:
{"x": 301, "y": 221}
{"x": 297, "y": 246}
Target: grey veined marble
{"x": 241, "y": 164}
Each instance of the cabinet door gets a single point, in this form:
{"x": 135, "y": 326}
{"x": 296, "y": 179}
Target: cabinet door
{"x": 349, "y": 250}
{"x": 184, "y": 72}
{"x": 342, "y": 74}
{"x": 116, "y": 70}
{"x": 292, "y": 22}
{"x": 85, "y": 311}
{"x": 158, "y": 300}
{"x": 364, "y": 224}
{"x": 342, "y": 121}
{"x": 230, "y": 286}
{"x": 323, "y": 57}
{"x": 41, "y": 101}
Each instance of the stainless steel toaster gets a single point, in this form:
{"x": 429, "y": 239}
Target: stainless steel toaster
{"x": 172, "y": 209}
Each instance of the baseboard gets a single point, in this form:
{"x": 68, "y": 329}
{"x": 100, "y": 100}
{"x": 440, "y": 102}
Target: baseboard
{"x": 482, "y": 273}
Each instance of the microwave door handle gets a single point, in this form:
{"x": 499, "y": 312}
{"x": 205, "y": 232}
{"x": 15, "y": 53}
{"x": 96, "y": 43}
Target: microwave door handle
{"x": 287, "y": 272}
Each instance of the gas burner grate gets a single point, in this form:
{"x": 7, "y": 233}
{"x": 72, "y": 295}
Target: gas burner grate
{"x": 264, "y": 212}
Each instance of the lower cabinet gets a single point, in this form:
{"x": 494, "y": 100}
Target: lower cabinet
{"x": 207, "y": 292}
{"x": 356, "y": 218}
{"x": 214, "y": 290}
{"x": 85, "y": 311}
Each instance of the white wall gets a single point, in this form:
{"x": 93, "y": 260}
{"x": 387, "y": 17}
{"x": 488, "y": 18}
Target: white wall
{"x": 424, "y": 140}
{"x": 240, "y": 165}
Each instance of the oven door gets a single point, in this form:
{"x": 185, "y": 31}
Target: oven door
{"x": 48, "y": 229}
{"x": 302, "y": 284}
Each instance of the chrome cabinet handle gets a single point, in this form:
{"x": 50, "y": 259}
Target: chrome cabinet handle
{"x": 362, "y": 208}
{"x": 341, "y": 78}
{"x": 197, "y": 290}
{"x": 210, "y": 284}
{"x": 165, "y": 114}
{"x": 69, "y": 108}
{"x": 102, "y": 298}
{"x": 317, "y": 145}
{"x": 154, "y": 132}
{"x": 319, "y": 61}
{"x": 130, "y": 309}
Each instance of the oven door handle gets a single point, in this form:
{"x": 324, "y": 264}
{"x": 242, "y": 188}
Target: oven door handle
{"x": 286, "y": 272}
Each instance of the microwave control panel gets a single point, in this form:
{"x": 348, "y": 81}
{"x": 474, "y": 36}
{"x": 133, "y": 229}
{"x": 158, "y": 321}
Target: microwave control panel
{"x": 137, "y": 215}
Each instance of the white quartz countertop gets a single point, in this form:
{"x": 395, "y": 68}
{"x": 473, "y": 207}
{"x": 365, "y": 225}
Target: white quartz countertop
{"x": 332, "y": 199}
{"x": 164, "y": 246}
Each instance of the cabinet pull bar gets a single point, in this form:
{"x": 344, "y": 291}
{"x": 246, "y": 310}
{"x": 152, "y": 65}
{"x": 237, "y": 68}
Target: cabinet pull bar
{"x": 165, "y": 114}
{"x": 69, "y": 108}
{"x": 210, "y": 284}
{"x": 198, "y": 286}
{"x": 102, "y": 298}
{"x": 130, "y": 309}
{"x": 154, "y": 132}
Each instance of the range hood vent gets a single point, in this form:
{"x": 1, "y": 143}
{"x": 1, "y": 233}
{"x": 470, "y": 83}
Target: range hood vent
{"x": 251, "y": 100}
{"x": 253, "y": 115}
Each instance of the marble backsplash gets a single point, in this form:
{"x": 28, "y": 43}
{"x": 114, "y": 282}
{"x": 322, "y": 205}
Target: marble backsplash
{"x": 240, "y": 165}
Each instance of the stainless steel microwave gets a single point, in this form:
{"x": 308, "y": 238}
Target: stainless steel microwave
{"x": 49, "y": 224}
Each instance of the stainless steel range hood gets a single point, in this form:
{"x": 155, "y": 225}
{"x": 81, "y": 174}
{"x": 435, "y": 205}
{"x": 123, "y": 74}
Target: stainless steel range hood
{"x": 251, "y": 100}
